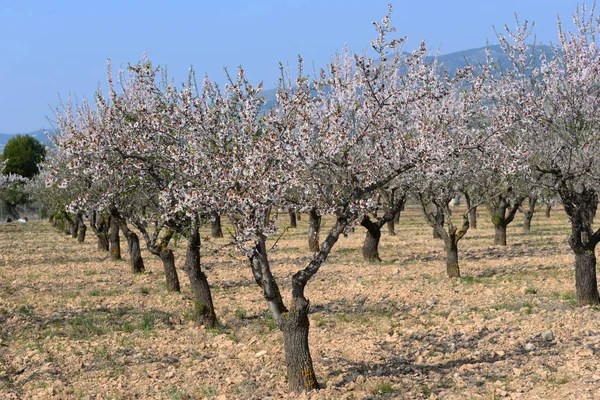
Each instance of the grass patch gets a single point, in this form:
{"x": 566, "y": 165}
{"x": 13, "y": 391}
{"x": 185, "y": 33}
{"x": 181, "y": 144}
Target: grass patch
{"x": 384, "y": 388}
{"x": 470, "y": 279}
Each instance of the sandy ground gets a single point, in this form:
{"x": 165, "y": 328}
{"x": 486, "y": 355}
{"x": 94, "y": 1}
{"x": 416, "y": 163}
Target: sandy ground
{"x": 74, "y": 325}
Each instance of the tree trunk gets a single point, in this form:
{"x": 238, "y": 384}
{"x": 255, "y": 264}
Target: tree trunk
{"x": 204, "y": 311}
{"x": 81, "y": 231}
{"x": 100, "y": 229}
{"x": 215, "y": 225}
{"x": 548, "y": 208}
{"x": 160, "y": 248}
{"x": 391, "y": 226}
{"x": 300, "y": 372}
{"x": 293, "y": 223}
{"x": 135, "y": 253}
{"x": 114, "y": 240}
{"x": 580, "y": 208}
{"x": 370, "y": 248}
{"x": 585, "y": 278}
{"x": 529, "y": 214}
{"x": 452, "y": 267}
{"x": 503, "y": 213}
{"x": 168, "y": 259}
{"x": 435, "y": 234}
{"x": 314, "y": 225}
{"x": 133, "y": 244}
{"x": 74, "y": 226}
{"x": 472, "y": 211}
{"x": 261, "y": 269}
{"x": 473, "y": 217}
{"x": 500, "y": 235}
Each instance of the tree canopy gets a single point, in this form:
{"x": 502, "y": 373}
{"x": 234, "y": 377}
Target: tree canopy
{"x": 22, "y": 155}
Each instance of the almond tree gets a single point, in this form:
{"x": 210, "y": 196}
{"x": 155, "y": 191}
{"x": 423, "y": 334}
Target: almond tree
{"x": 461, "y": 144}
{"x": 345, "y": 134}
{"x": 556, "y": 105}
{"x": 132, "y": 145}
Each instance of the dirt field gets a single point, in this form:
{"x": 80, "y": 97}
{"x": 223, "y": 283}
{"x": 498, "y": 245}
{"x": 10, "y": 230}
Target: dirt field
{"x": 74, "y": 325}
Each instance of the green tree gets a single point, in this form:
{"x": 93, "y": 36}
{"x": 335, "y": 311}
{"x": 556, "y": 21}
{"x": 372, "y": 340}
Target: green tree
{"x": 22, "y": 155}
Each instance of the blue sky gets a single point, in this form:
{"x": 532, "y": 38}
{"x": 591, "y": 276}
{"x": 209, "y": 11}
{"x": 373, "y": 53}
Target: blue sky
{"x": 60, "y": 47}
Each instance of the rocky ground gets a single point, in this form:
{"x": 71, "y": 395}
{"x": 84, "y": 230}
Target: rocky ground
{"x": 74, "y": 325}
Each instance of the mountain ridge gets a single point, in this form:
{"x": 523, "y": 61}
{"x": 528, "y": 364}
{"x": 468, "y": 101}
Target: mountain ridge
{"x": 449, "y": 61}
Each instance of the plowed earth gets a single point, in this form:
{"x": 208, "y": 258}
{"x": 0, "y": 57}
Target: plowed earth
{"x": 74, "y": 325}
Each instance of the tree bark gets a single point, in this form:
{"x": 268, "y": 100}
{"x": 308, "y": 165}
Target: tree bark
{"x": 370, "y": 249}
{"x": 100, "y": 229}
{"x": 261, "y": 269}
{"x": 133, "y": 244}
{"x": 74, "y": 224}
{"x": 204, "y": 311}
{"x": 391, "y": 226}
{"x": 135, "y": 252}
{"x": 168, "y": 259}
{"x": 440, "y": 219}
{"x": 499, "y": 207}
{"x": 548, "y": 209}
{"x": 292, "y": 213}
{"x": 529, "y": 214}
{"x": 452, "y": 266}
{"x": 81, "y": 231}
{"x": 472, "y": 211}
{"x": 160, "y": 248}
{"x": 295, "y": 326}
{"x": 500, "y": 235}
{"x": 586, "y": 283}
{"x": 314, "y": 225}
{"x": 114, "y": 240}
{"x": 394, "y": 205}
{"x": 216, "y": 229}
{"x": 580, "y": 208}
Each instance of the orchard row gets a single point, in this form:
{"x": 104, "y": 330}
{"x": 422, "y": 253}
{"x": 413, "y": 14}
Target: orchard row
{"x": 353, "y": 140}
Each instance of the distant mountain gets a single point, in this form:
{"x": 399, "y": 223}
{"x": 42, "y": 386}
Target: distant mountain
{"x": 450, "y": 62}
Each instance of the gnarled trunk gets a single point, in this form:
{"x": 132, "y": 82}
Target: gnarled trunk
{"x": 204, "y": 311}
{"x": 499, "y": 207}
{"x": 583, "y": 240}
{"x": 100, "y": 228}
{"x": 168, "y": 259}
{"x": 529, "y": 214}
{"x": 114, "y": 240}
{"x": 160, "y": 248}
{"x": 370, "y": 249}
{"x": 81, "y": 231}
{"x": 292, "y": 213}
{"x": 391, "y": 226}
{"x": 500, "y": 235}
{"x": 135, "y": 252}
{"x": 314, "y": 225}
{"x": 586, "y": 284}
{"x": 216, "y": 229}
{"x": 452, "y": 266}
{"x": 74, "y": 224}
{"x": 471, "y": 210}
{"x": 300, "y": 371}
